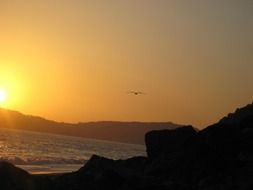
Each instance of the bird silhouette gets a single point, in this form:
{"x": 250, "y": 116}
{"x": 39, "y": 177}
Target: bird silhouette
{"x": 136, "y": 93}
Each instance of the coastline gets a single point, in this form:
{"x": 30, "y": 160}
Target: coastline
{"x": 217, "y": 157}
{"x": 51, "y": 168}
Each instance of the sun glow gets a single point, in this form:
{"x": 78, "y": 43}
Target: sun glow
{"x": 3, "y": 95}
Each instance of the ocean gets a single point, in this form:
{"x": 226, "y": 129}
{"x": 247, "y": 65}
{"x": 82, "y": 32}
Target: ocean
{"x": 46, "y": 153}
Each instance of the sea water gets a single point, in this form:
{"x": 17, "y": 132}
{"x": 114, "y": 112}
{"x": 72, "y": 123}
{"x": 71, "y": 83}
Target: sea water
{"x": 47, "y": 153}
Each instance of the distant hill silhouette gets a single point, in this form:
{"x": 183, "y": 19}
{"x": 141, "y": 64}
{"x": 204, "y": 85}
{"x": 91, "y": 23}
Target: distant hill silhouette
{"x": 127, "y": 132}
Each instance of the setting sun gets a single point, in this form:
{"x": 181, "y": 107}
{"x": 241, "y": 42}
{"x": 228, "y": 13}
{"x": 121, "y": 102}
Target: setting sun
{"x": 3, "y": 95}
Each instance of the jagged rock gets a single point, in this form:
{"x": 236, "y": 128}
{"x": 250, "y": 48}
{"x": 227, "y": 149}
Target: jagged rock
{"x": 224, "y": 140}
{"x": 164, "y": 142}
{"x": 124, "y": 168}
{"x": 13, "y": 178}
{"x": 104, "y": 173}
{"x": 238, "y": 116}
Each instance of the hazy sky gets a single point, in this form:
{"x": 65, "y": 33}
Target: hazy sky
{"x": 74, "y": 60}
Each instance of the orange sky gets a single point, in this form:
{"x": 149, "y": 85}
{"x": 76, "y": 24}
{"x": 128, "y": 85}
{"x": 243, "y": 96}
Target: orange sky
{"x": 74, "y": 60}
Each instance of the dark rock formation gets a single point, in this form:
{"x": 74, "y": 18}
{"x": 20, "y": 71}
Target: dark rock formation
{"x": 13, "y": 178}
{"x": 103, "y": 173}
{"x": 160, "y": 143}
{"x": 219, "y": 157}
{"x": 238, "y": 116}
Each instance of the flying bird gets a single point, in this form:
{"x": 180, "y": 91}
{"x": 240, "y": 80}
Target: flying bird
{"x": 136, "y": 93}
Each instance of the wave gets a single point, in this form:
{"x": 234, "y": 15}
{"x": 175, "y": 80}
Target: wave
{"x": 42, "y": 161}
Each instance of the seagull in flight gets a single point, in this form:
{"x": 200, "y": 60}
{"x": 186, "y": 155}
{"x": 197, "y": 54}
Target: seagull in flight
{"x": 136, "y": 93}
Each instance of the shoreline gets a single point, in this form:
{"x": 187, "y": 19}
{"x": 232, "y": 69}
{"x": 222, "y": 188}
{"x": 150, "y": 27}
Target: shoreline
{"x": 50, "y": 168}
{"x": 217, "y": 157}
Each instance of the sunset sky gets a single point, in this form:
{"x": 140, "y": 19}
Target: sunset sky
{"x": 75, "y": 60}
